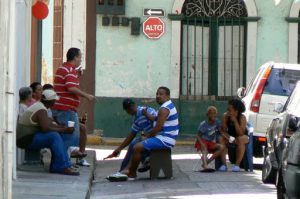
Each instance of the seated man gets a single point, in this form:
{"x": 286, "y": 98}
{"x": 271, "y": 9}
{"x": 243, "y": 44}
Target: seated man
{"x": 206, "y": 138}
{"x": 35, "y": 131}
{"x": 164, "y": 133}
{"x": 74, "y": 152}
{"x": 143, "y": 121}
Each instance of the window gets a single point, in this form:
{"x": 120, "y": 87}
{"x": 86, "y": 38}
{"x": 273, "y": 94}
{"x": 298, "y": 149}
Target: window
{"x": 281, "y": 82}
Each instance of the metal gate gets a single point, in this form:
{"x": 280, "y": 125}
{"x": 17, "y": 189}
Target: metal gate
{"x": 213, "y": 43}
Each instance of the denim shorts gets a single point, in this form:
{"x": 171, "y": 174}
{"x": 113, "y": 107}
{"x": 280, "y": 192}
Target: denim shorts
{"x": 62, "y": 117}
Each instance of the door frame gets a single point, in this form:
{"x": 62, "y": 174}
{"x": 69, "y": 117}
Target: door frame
{"x": 176, "y": 44}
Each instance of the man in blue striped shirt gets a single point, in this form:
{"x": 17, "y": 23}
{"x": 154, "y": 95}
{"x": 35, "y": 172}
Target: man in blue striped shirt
{"x": 143, "y": 122}
{"x": 164, "y": 133}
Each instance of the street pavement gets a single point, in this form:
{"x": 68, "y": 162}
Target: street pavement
{"x": 187, "y": 182}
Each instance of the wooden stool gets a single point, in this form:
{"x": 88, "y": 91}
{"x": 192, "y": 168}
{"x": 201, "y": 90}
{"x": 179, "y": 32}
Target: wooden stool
{"x": 160, "y": 159}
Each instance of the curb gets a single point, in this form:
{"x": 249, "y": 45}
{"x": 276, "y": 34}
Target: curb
{"x": 98, "y": 140}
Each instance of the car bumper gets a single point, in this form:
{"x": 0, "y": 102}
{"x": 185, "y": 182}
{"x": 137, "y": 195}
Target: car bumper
{"x": 292, "y": 181}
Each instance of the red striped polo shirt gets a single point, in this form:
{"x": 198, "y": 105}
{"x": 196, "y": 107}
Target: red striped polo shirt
{"x": 66, "y": 77}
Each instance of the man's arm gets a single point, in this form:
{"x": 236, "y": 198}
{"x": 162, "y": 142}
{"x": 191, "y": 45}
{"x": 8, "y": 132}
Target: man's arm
{"x": 125, "y": 143}
{"x": 81, "y": 93}
{"x": 162, "y": 117}
{"x": 41, "y": 117}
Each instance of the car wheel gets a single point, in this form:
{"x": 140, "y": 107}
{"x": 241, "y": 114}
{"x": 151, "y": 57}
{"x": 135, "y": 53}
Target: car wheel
{"x": 281, "y": 191}
{"x": 268, "y": 171}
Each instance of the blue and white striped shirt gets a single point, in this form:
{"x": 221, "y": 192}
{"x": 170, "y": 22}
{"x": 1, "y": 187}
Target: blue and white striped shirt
{"x": 141, "y": 122}
{"x": 170, "y": 129}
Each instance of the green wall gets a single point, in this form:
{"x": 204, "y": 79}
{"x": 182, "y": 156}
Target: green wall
{"x": 128, "y": 65}
{"x": 272, "y": 34}
{"x": 110, "y": 117}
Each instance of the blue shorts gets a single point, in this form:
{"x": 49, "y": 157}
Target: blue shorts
{"x": 153, "y": 143}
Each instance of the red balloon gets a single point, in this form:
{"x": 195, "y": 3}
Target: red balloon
{"x": 40, "y": 10}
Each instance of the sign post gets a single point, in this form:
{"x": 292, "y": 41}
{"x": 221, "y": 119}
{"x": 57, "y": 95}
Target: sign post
{"x": 154, "y": 28}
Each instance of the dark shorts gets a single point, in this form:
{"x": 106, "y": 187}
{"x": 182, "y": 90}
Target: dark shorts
{"x": 210, "y": 146}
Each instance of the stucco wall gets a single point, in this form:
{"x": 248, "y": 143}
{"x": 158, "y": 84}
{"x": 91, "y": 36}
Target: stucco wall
{"x": 129, "y": 65}
{"x": 272, "y": 34}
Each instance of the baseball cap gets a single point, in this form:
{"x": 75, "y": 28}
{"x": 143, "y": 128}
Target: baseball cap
{"x": 50, "y": 95}
{"x": 127, "y": 103}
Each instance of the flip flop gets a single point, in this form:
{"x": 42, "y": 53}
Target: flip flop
{"x": 208, "y": 170}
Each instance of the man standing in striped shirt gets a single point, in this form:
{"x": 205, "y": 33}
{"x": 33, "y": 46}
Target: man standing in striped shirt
{"x": 66, "y": 85}
{"x": 143, "y": 122}
{"x": 164, "y": 133}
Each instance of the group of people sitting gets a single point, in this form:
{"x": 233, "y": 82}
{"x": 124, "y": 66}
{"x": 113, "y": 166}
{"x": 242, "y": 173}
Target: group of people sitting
{"x": 214, "y": 135}
{"x": 48, "y": 117}
{"x": 38, "y": 128}
{"x": 160, "y": 129}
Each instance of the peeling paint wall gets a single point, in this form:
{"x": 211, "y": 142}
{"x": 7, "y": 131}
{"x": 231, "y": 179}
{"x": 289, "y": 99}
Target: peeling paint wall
{"x": 133, "y": 66}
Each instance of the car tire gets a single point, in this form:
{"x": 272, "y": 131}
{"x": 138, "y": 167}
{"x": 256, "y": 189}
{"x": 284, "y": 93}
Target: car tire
{"x": 268, "y": 171}
{"x": 281, "y": 191}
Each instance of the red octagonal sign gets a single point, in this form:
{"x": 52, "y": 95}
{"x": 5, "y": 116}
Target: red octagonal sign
{"x": 154, "y": 28}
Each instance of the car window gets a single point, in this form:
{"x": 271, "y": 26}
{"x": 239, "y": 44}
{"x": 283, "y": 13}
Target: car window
{"x": 293, "y": 103}
{"x": 281, "y": 81}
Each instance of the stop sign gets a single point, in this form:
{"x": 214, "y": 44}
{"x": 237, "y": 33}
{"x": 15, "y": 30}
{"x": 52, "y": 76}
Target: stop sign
{"x": 153, "y": 28}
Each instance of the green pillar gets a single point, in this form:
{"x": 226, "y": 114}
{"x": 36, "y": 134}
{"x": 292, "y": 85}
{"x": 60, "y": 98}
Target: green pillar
{"x": 213, "y": 56}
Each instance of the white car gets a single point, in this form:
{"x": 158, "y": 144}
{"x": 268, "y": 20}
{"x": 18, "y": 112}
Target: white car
{"x": 273, "y": 83}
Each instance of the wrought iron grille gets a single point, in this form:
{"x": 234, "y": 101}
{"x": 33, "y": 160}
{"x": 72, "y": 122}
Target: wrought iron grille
{"x": 215, "y": 8}
{"x": 213, "y": 55}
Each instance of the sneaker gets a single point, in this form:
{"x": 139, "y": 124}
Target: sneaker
{"x": 236, "y": 168}
{"x": 82, "y": 162}
{"x": 222, "y": 168}
{"x": 116, "y": 177}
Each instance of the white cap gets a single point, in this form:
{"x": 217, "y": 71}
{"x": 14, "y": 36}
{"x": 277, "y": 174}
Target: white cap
{"x": 50, "y": 95}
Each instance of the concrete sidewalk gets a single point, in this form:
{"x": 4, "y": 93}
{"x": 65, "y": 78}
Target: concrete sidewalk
{"x": 35, "y": 182}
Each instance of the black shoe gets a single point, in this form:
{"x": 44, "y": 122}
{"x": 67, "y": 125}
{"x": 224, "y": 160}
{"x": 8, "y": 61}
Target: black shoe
{"x": 143, "y": 169}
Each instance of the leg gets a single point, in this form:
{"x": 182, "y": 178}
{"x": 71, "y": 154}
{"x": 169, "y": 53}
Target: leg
{"x": 52, "y": 140}
{"x": 218, "y": 148}
{"x": 241, "y": 142}
{"x": 223, "y": 142}
{"x": 128, "y": 155}
{"x": 83, "y": 138}
{"x": 136, "y": 158}
{"x": 204, "y": 156}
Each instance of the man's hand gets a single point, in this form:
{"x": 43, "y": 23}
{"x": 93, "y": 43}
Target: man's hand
{"x": 144, "y": 111}
{"x": 90, "y": 97}
{"x": 115, "y": 153}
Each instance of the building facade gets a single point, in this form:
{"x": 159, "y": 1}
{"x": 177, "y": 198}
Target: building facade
{"x": 208, "y": 50}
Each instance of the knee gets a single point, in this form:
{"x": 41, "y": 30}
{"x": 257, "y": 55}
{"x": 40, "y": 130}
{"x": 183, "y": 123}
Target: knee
{"x": 54, "y": 136}
{"x": 138, "y": 148}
